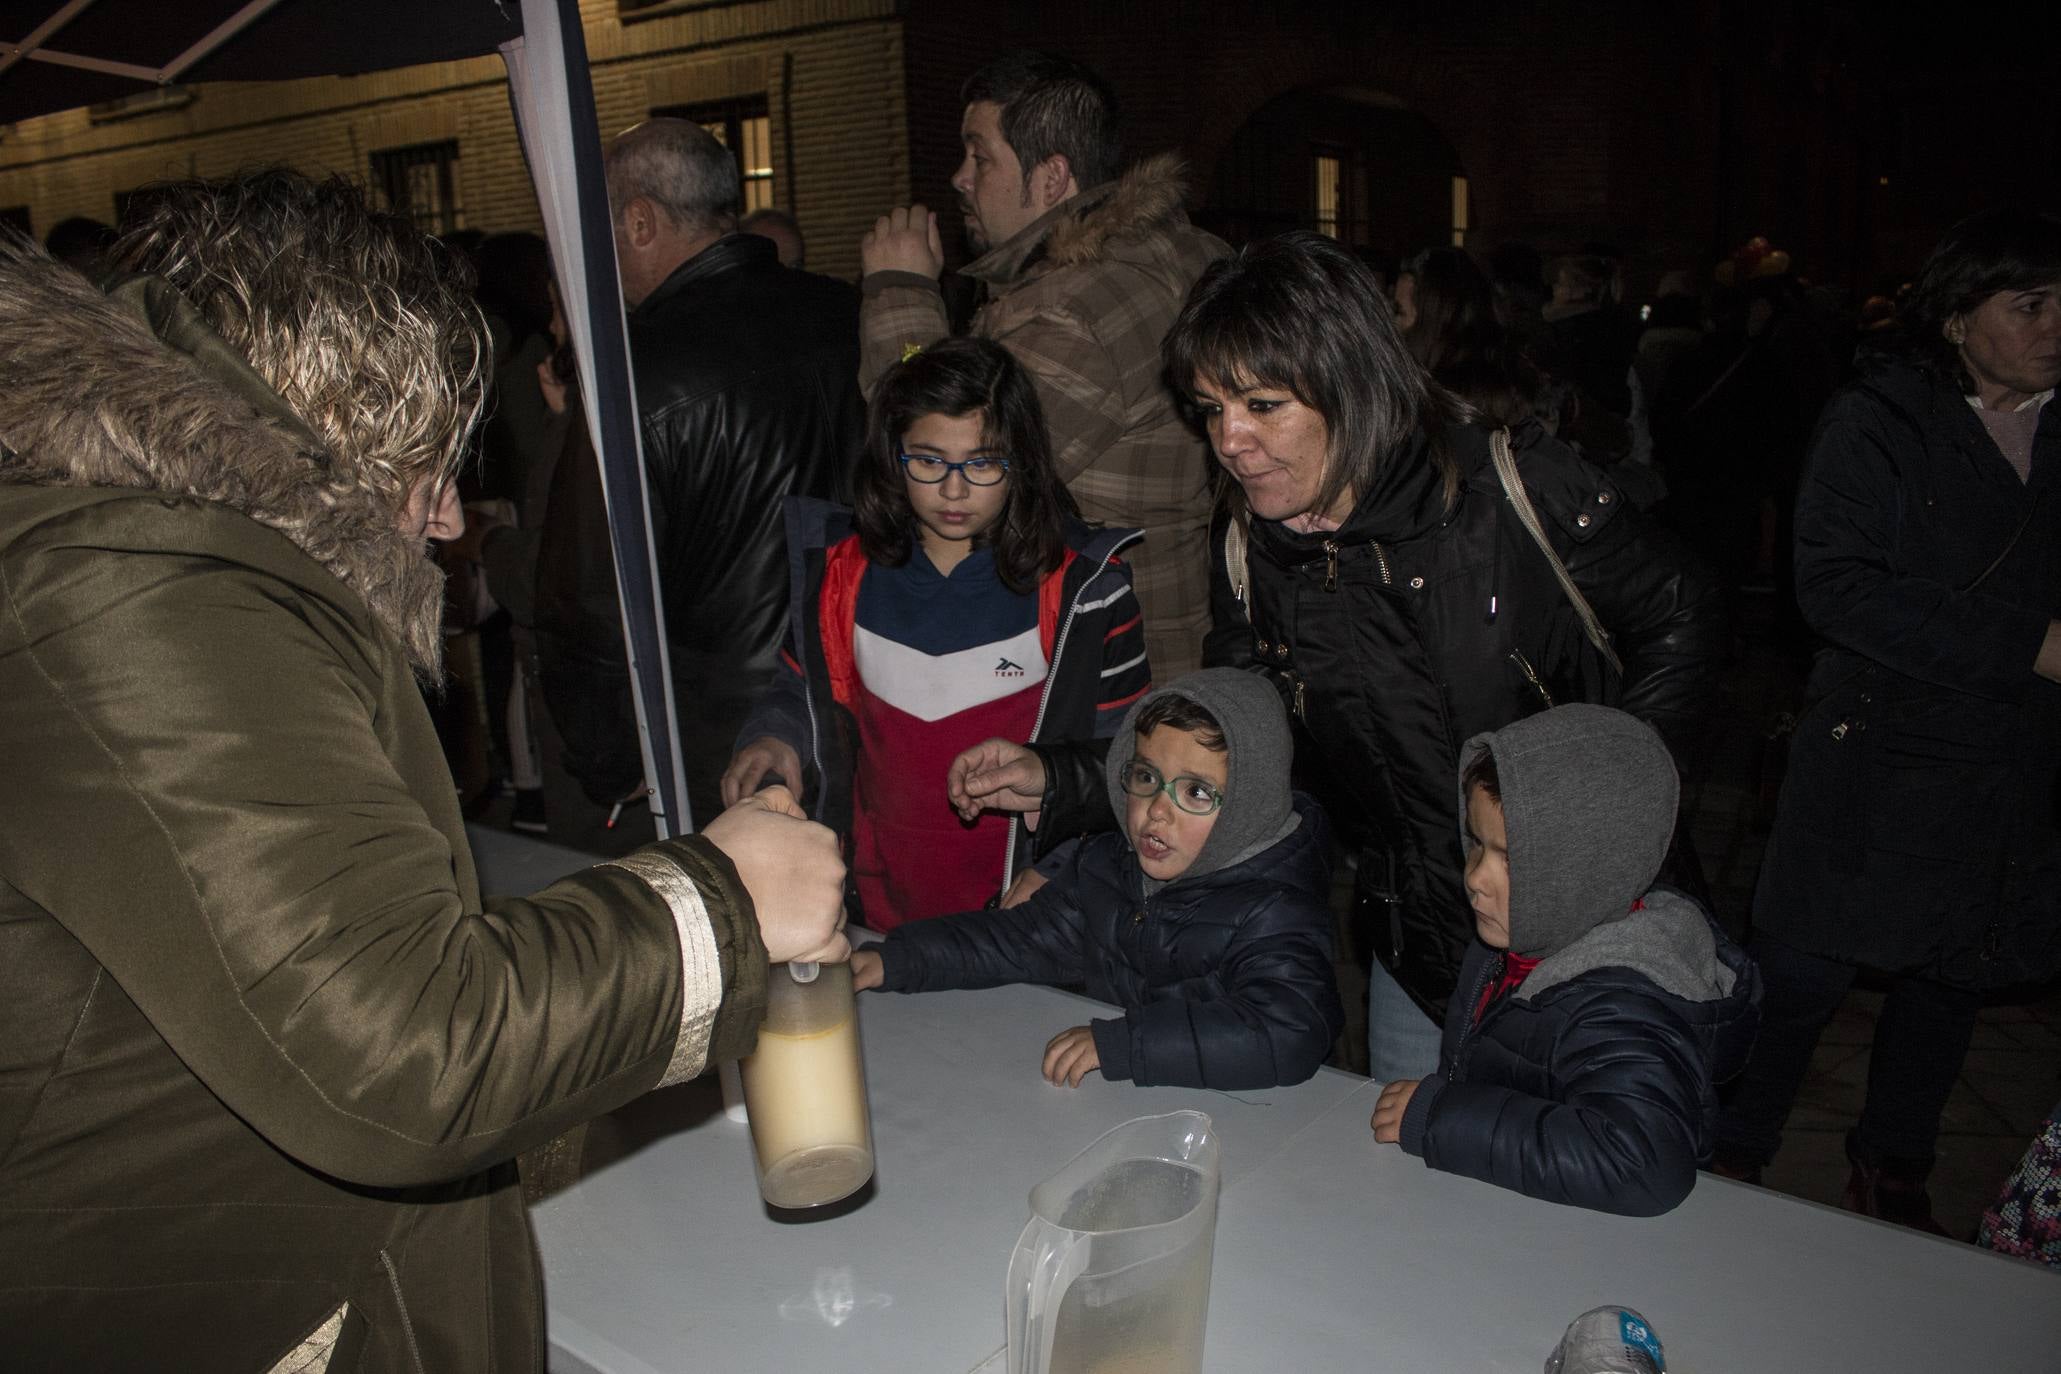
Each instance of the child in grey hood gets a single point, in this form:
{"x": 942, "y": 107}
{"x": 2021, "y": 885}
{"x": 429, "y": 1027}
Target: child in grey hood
{"x": 1595, "y": 1012}
{"x": 1205, "y": 919}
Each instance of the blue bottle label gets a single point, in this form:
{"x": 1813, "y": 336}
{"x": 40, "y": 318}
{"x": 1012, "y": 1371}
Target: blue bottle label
{"x": 1639, "y": 1336}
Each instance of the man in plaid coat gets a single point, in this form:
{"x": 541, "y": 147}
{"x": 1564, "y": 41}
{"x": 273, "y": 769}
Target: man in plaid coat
{"x": 1085, "y": 271}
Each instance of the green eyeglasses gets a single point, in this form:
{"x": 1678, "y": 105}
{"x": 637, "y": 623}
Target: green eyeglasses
{"x": 981, "y": 472}
{"x": 1192, "y": 795}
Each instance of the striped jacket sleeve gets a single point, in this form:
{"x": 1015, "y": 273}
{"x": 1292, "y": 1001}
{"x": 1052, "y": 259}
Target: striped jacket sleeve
{"x": 900, "y": 311}
{"x": 1126, "y": 675}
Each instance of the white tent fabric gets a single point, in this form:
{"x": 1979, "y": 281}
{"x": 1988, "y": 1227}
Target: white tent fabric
{"x": 555, "y": 115}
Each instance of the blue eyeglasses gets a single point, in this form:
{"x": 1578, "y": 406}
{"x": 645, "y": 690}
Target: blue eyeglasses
{"x": 929, "y": 470}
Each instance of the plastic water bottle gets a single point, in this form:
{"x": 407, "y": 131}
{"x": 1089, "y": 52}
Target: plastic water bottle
{"x": 1608, "y": 1340}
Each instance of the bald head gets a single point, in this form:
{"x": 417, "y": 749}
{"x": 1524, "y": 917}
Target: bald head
{"x": 672, "y": 190}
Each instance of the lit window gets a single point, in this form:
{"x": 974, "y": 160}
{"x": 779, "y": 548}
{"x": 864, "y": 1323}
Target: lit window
{"x": 1329, "y": 174}
{"x": 1459, "y": 212}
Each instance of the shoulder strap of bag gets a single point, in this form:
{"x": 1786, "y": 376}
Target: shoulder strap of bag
{"x": 1513, "y": 490}
{"x": 1237, "y": 540}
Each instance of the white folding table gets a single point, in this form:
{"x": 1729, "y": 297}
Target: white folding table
{"x": 1332, "y": 1252}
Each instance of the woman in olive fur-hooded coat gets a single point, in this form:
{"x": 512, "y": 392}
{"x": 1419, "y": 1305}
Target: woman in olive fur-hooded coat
{"x": 266, "y": 1052}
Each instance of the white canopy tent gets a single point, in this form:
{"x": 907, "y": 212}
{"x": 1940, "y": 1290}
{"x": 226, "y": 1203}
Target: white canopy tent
{"x": 85, "y": 51}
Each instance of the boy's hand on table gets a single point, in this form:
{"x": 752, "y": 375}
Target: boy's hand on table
{"x": 866, "y": 969}
{"x": 1071, "y": 1056}
{"x": 1389, "y": 1109}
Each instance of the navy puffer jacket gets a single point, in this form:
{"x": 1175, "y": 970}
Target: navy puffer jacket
{"x": 1592, "y": 1083}
{"x": 1225, "y": 979}
{"x": 1597, "y": 1092}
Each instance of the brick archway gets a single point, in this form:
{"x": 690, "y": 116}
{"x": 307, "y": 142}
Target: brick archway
{"x": 1435, "y": 90}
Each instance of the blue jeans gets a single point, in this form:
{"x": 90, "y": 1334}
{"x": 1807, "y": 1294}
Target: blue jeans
{"x": 1402, "y": 1042}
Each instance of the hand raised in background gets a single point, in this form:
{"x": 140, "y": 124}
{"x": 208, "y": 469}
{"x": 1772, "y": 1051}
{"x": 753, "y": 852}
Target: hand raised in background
{"x": 904, "y": 240}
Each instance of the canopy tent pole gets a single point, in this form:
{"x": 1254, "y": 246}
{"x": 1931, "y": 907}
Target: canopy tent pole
{"x": 28, "y": 46}
{"x": 551, "y": 91}
{"x": 32, "y": 49}
{"x": 220, "y": 34}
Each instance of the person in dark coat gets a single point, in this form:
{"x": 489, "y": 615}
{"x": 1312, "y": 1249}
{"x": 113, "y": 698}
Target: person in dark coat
{"x": 747, "y": 393}
{"x": 1206, "y": 920}
{"x": 1916, "y": 832}
{"x": 1375, "y": 569}
{"x": 1594, "y": 1011}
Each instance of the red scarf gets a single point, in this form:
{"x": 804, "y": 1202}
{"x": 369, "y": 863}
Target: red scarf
{"x": 1516, "y": 968}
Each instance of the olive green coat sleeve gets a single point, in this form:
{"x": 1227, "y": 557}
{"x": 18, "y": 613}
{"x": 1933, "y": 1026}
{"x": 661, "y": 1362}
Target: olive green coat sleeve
{"x": 242, "y": 812}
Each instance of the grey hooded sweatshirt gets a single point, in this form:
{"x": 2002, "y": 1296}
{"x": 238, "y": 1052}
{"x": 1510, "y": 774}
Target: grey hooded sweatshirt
{"x": 1592, "y": 1082}
{"x": 1224, "y": 973}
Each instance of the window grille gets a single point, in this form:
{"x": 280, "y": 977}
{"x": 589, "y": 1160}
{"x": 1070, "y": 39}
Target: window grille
{"x": 421, "y": 182}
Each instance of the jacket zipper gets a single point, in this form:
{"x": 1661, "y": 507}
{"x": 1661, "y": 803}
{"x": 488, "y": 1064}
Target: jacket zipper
{"x": 1467, "y": 1027}
{"x": 1045, "y": 693}
{"x": 1331, "y": 564}
{"x": 1531, "y": 676}
{"x": 815, "y": 741}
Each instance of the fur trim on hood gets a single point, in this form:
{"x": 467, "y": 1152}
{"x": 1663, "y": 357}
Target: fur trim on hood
{"x": 94, "y": 393}
{"x": 1149, "y": 195}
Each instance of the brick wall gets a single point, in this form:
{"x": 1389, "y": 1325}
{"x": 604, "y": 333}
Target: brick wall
{"x": 831, "y": 72}
{"x": 1571, "y": 122}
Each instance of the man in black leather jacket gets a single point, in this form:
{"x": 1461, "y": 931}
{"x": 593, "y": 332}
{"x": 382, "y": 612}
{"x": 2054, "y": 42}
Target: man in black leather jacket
{"x": 747, "y": 393}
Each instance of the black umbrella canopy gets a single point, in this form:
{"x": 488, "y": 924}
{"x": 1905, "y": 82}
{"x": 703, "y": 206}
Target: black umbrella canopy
{"x": 60, "y": 54}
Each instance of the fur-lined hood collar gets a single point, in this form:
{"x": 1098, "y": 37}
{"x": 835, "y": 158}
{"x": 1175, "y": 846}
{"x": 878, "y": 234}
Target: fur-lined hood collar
{"x": 1147, "y": 197}
{"x": 131, "y": 389}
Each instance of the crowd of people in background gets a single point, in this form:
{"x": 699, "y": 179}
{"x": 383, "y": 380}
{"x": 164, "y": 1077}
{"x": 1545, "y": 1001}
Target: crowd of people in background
{"x": 1172, "y": 575}
{"x": 1692, "y": 406}
{"x": 1665, "y": 435}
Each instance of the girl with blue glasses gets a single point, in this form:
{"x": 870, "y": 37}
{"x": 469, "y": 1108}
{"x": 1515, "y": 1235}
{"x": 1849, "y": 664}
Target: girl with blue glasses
{"x": 960, "y": 599}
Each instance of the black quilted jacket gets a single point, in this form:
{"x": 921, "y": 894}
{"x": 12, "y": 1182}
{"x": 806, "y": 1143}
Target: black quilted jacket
{"x": 1413, "y": 628}
{"x": 1225, "y": 980}
{"x": 1599, "y": 1092}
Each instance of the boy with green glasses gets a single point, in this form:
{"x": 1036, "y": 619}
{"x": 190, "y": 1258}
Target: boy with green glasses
{"x": 1205, "y": 919}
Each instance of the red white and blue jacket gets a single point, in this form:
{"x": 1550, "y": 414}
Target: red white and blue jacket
{"x": 1087, "y": 629}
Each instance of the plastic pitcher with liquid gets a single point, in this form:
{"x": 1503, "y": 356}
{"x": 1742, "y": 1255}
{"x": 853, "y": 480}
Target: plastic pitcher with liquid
{"x": 805, "y": 1089}
{"x": 1112, "y": 1274}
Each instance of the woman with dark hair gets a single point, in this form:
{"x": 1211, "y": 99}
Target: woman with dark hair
{"x": 1456, "y": 332}
{"x": 1916, "y": 832}
{"x": 960, "y": 597}
{"x": 1375, "y": 566}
